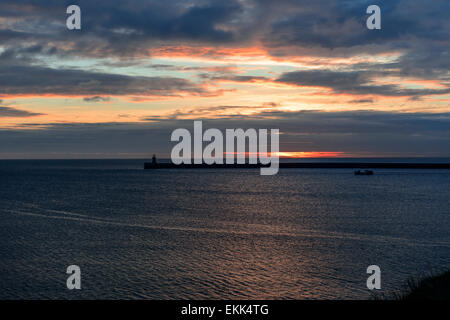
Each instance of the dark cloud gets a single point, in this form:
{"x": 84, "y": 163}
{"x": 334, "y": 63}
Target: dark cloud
{"x": 357, "y": 101}
{"x": 370, "y": 133}
{"x": 353, "y": 82}
{"x": 28, "y": 79}
{"x": 233, "y": 77}
{"x": 333, "y": 24}
{"x": 114, "y": 24}
{"x": 20, "y": 73}
{"x": 342, "y": 23}
{"x": 15, "y": 113}
{"x": 119, "y": 28}
{"x": 96, "y": 99}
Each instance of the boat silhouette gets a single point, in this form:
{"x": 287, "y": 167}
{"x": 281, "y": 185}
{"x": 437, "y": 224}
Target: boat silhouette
{"x": 363, "y": 172}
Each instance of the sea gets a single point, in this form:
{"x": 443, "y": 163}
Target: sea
{"x": 217, "y": 233}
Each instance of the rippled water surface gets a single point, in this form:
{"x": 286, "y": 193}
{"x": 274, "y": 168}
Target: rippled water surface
{"x": 216, "y": 234}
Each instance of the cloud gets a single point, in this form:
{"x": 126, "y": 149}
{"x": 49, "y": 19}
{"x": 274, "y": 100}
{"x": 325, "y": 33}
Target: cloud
{"x": 125, "y": 27}
{"x": 357, "y": 101}
{"x": 7, "y": 111}
{"x": 16, "y": 113}
{"x": 215, "y": 112}
{"x": 418, "y": 30}
{"x": 36, "y": 80}
{"x": 362, "y": 133}
{"x": 353, "y": 82}
{"x": 117, "y": 26}
{"x": 96, "y": 99}
{"x": 234, "y": 78}
{"x": 341, "y": 24}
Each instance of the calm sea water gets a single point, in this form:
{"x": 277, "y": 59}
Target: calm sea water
{"x": 216, "y": 234}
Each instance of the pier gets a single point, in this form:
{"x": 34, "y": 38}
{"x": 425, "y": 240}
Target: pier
{"x": 303, "y": 165}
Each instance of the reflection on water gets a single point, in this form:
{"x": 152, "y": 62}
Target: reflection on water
{"x": 216, "y": 234}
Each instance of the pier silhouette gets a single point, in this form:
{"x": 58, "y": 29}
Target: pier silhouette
{"x": 301, "y": 165}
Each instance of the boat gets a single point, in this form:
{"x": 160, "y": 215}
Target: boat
{"x": 363, "y": 172}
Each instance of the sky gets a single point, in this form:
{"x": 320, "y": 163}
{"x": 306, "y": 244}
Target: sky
{"x": 139, "y": 69}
